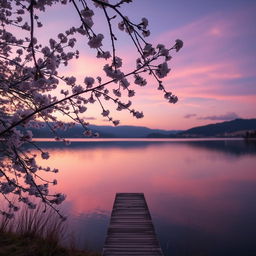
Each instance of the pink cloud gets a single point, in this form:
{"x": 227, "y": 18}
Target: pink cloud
{"x": 214, "y": 62}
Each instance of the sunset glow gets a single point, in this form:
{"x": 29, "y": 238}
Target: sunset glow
{"x": 214, "y": 74}
{"x": 128, "y": 127}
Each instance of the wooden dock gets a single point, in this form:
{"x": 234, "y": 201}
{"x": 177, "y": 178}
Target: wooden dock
{"x": 131, "y": 231}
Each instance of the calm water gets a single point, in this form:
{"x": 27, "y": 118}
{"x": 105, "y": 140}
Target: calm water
{"x": 201, "y": 194}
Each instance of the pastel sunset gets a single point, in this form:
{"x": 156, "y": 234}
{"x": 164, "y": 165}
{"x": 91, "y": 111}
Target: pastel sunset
{"x": 213, "y": 75}
{"x": 127, "y": 127}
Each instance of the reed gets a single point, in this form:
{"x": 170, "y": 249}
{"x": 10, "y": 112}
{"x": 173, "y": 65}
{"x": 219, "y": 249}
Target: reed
{"x": 35, "y": 232}
{"x": 35, "y": 223}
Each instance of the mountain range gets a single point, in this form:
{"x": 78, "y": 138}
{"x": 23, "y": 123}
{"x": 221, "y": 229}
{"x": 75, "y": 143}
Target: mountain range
{"x": 104, "y": 132}
{"x": 234, "y": 128}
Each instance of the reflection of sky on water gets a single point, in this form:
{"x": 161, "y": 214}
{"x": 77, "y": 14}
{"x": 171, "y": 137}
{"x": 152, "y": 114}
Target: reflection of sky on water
{"x": 91, "y": 229}
{"x": 201, "y": 194}
{"x": 220, "y": 224}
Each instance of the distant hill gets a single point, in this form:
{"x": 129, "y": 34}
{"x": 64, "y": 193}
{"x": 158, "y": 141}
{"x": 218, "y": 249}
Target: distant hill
{"x": 123, "y": 131}
{"x": 234, "y": 128}
{"x": 104, "y": 132}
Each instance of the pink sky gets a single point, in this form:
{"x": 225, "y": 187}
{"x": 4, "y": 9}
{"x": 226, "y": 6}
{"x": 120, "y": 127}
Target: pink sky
{"x": 213, "y": 75}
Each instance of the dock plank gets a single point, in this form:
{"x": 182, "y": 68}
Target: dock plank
{"x": 131, "y": 231}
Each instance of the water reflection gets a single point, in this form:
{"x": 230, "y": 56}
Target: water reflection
{"x": 88, "y": 230}
{"x": 201, "y": 194}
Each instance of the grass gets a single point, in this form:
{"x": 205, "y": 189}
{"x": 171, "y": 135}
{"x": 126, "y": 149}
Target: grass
{"x": 35, "y": 233}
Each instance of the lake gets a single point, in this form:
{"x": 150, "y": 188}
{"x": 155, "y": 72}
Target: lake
{"x": 201, "y": 193}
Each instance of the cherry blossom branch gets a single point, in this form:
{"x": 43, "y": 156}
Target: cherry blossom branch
{"x": 112, "y": 37}
{"x": 31, "y": 44}
{"x": 32, "y": 91}
{"x": 64, "y": 99}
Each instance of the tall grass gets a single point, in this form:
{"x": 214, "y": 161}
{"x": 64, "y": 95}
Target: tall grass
{"x": 36, "y": 233}
{"x": 35, "y": 223}
{"x": 33, "y": 229}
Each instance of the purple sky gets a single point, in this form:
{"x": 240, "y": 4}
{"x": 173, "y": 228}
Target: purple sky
{"x": 214, "y": 75}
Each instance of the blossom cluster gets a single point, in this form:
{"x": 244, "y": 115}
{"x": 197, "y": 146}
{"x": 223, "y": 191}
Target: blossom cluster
{"x": 33, "y": 91}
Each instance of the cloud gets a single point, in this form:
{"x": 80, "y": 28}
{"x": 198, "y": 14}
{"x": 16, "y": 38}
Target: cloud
{"x": 190, "y": 115}
{"x": 89, "y": 118}
{"x": 205, "y": 65}
{"x": 226, "y": 117}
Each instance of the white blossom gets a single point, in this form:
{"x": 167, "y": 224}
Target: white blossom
{"x": 117, "y": 92}
{"x": 138, "y": 114}
{"x": 131, "y": 93}
{"x": 88, "y": 133}
{"x": 82, "y": 109}
{"x": 178, "y": 45}
{"x": 87, "y": 13}
{"x": 45, "y": 155}
{"x": 117, "y": 62}
{"x": 113, "y": 73}
{"x": 7, "y": 187}
{"x": 173, "y": 99}
{"x": 96, "y": 41}
{"x": 100, "y": 5}
{"x": 144, "y": 22}
{"x": 148, "y": 50}
{"x": 105, "y": 112}
{"x": 59, "y": 198}
{"x": 89, "y": 81}
{"x": 140, "y": 80}
{"x": 116, "y": 122}
{"x": 146, "y": 33}
{"x": 77, "y": 89}
{"x": 124, "y": 83}
{"x": 70, "y": 80}
{"x": 162, "y": 70}
{"x": 121, "y": 25}
{"x": 105, "y": 55}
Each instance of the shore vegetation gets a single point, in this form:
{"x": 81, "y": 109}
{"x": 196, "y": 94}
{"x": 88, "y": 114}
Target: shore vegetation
{"x": 37, "y": 233}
